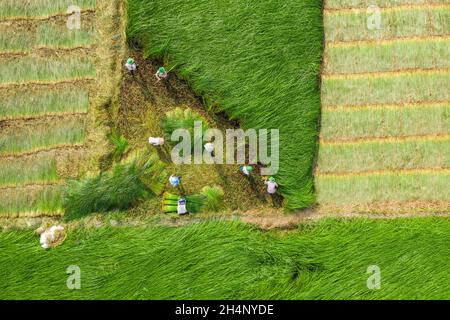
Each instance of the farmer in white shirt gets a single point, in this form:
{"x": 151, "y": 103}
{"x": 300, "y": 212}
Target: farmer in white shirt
{"x": 181, "y": 207}
{"x": 156, "y": 141}
{"x": 48, "y": 237}
{"x": 131, "y": 65}
{"x": 209, "y": 147}
{"x": 246, "y": 170}
{"x": 271, "y": 186}
{"x": 161, "y": 74}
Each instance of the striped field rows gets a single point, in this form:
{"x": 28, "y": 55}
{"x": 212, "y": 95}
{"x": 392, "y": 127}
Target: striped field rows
{"x": 385, "y": 127}
{"x": 44, "y": 102}
{"x": 402, "y": 55}
{"x": 395, "y": 121}
{"x": 46, "y": 35}
{"x": 30, "y": 103}
{"x": 405, "y": 23}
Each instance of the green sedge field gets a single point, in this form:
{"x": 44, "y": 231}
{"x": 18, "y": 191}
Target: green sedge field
{"x": 230, "y": 260}
{"x": 364, "y": 121}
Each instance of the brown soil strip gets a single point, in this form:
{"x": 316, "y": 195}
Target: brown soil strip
{"x": 426, "y": 137}
{"x": 375, "y": 105}
{"x": 32, "y": 184}
{"x": 349, "y": 108}
{"x": 43, "y": 116}
{"x": 12, "y": 85}
{"x": 8, "y": 216}
{"x": 68, "y": 147}
{"x": 357, "y": 43}
{"x": 428, "y": 6}
{"x": 46, "y": 51}
{"x": 385, "y": 74}
{"x": 381, "y": 172}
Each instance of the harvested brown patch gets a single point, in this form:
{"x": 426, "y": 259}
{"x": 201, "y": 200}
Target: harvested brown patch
{"x": 143, "y": 104}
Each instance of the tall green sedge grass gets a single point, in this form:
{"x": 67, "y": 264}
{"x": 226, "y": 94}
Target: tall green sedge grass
{"x": 214, "y": 198}
{"x": 384, "y": 155}
{"x": 31, "y": 138}
{"x": 28, "y": 170}
{"x": 259, "y": 62}
{"x": 44, "y": 200}
{"x": 181, "y": 118}
{"x": 24, "y": 69}
{"x": 39, "y": 8}
{"x": 140, "y": 176}
{"x": 383, "y": 187}
{"x": 427, "y": 21}
{"x": 22, "y": 103}
{"x": 327, "y": 259}
{"x": 404, "y": 88}
{"x": 382, "y": 122}
{"x": 388, "y": 57}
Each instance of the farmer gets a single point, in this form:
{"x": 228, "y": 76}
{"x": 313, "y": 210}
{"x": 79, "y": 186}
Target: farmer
{"x": 181, "y": 207}
{"x": 271, "y": 186}
{"x": 174, "y": 180}
{"x": 131, "y": 65}
{"x": 209, "y": 147}
{"x": 161, "y": 74}
{"x": 156, "y": 141}
{"x": 246, "y": 170}
{"x": 50, "y": 236}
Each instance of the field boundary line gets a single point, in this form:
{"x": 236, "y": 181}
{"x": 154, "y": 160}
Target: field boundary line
{"x": 347, "y": 108}
{"x": 356, "y": 43}
{"x": 32, "y": 184}
{"x": 44, "y": 115}
{"x": 37, "y": 49}
{"x": 43, "y": 18}
{"x": 383, "y": 105}
{"x": 76, "y": 146}
{"x": 30, "y": 214}
{"x": 385, "y": 74}
{"x": 347, "y": 174}
{"x": 425, "y": 137}
{"x": 401, "y": 7}
{"x": 45, "y": 83}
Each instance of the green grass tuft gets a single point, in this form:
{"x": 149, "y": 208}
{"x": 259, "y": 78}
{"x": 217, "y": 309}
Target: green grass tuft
{"x": 136, "y": 178}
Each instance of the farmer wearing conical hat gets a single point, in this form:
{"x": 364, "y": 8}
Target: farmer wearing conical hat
{"x": 131, "y": 65}
{"x": 246, "y": 170}
{"x": 271, "y": 186}
{"x": 161, "y": 74}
